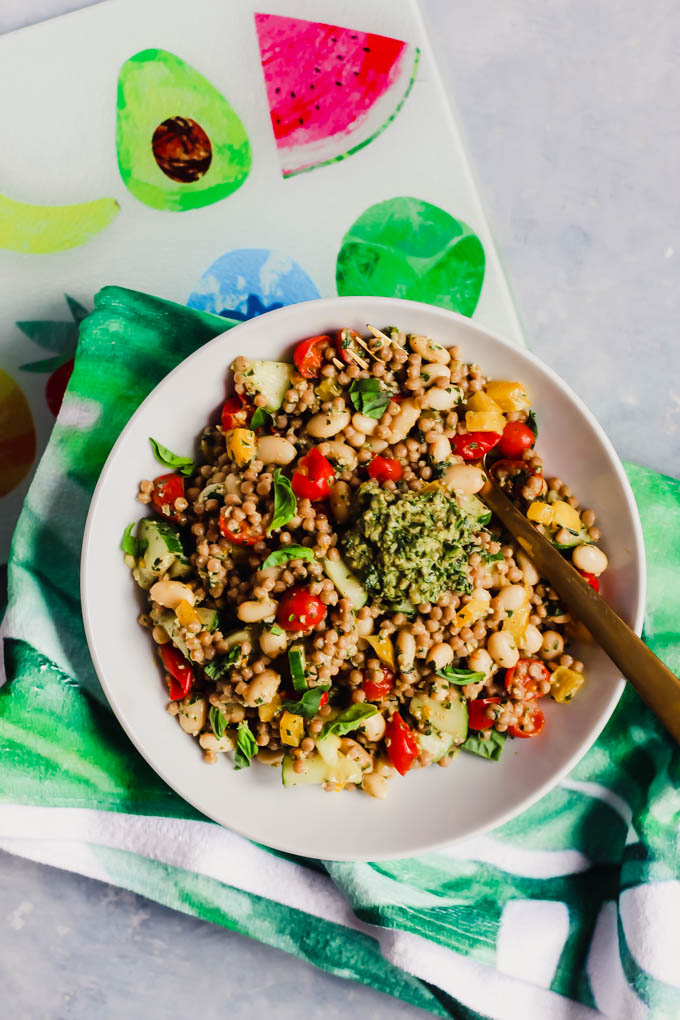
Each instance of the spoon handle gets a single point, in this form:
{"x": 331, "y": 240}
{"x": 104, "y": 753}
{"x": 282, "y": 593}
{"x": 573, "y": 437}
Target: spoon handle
{"x": 653, "y": 681}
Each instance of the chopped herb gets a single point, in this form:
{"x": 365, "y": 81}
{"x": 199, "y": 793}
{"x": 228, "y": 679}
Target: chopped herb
{"x": 532, "y": 423}
{"x": 128, "y": 543}
{"x": 289, "y": 552}
{"x": 309, "y": 703}
{"x": 218, "y": 667}
{"x": 261, "y": 419}
{"x": 182, "y": 465}
{"x": 486, "y": 747}
{"x": 368, "y": 397}
{"x": 246, "y": 746}
{"x": 275, "y": 629}
{"x": 285, "y": 504}
{"x": 218, "y": 722}
{"x": 455, "y": 675}
{"x": 348, "y": 720}
{"x": 493, "y": 557}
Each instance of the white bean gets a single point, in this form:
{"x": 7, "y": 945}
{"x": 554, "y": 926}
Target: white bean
{"x": 192, "y": 714}
{"x": 532, "y": 639}
{"x": 588, "y": 558}
{"x": 232, "y": 485}
{"x": 327, "y": 424}
{"x": 502, "y": 649}
{"x": 374, "y": 785}
{"x": 480, "y": 661}
{"x": 509, "y": 599}
{"x": 464, "y": 478}
{"x": 440, "y": 655}
{"x": 340, "y": 452}
{"x": 365, "y": 627}
{"x": 262, "y": 688}
{"x": 340, "y": 501}
{"x": 356, "y": 753}
{"x": 406, "y": 647}
{"x": 269, "y": 757}
{"x": 253, "y": 612}
{"x": 402, "y": 424}
{"x": 429, "y": 350}
{"x": 209, "y": 742}
{"x": 374, "y": 726}
{"x": 440, "y": 450}
{"x": 272, "y": 644}
{"x": 275, "y": 450}
{"x": 170, "y": 593}
{"x": 432, "y": 371}
{"x": 553, "y": 645}
{"x": 363, "y": 423}
{"x": 441, "y": 399}
{"x": 531, "y": 575}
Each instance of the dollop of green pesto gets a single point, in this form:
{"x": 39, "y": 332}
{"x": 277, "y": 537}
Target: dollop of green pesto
{"x": 409, "y": 546}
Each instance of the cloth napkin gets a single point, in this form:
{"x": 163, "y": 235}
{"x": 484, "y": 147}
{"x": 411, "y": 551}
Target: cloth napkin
{"x": 570, "y": 910}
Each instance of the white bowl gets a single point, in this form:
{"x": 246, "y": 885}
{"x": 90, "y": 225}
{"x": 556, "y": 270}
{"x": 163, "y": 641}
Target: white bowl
{"x": 429, "y": 807}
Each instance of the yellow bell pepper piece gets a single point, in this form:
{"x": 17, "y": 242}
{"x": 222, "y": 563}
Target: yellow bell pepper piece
{"x": 383, "y": 648}
{"x": 484, "y": 421}
{"x": 186, "y": 614}
{"x": 564, "y": 516}
{"x": 474, "y": 610}
{"x": 565, "y": 684}
{"x": 510, "y": 396}
{"x": 481, "y": 401}
{"x": 291, "y": 729}
{"x": 517, "y": 623}
{"x": 272, "y": 708}
{"x": 540, "y": 512}
{"x": 240, "y": 446}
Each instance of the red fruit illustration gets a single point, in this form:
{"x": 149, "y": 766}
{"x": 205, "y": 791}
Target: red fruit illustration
{"x": 62, "y": 339}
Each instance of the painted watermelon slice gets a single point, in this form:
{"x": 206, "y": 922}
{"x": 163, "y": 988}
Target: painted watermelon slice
{"x": 331, "y": 90}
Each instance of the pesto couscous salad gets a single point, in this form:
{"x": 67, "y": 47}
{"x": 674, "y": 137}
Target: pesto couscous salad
{"x": 326, "y": 590}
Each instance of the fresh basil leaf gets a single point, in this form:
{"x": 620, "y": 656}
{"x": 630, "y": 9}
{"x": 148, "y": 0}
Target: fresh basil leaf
{"x": 261, "y": 419}
{"x": 217, "y": 721}
{"x": 368, "y": 397}
{"x": 532, "y": 423}
{"x": 246, "y": 747}
{"x": 285, "y": 504}
{"x": 128, "y": 543}
{"x": 348, "y": 720}
{"x": 288, "y": 552}
{"x": 309, "y": 703}
{"x": 460, "y": 676}
{"x": 218, "y": 667}
{"x": 182, "y": 465}
{"x": 493, "y": 557}
{"x": 486, "y": 747}
{"x": 275, "y": 629}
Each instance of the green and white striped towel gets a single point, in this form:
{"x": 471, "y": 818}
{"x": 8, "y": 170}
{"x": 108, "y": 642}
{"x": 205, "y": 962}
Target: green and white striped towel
{"x": 571, "y": 910}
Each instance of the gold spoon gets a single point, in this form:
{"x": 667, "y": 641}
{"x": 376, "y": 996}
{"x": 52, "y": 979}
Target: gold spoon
{"x": 653, "y": 681}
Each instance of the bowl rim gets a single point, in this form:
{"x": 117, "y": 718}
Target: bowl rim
{"x": 332, "y": 309}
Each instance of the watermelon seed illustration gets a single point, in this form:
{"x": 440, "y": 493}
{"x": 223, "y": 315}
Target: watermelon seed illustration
{"x": 62, "y": 339}
{"x": 331, "y": 90}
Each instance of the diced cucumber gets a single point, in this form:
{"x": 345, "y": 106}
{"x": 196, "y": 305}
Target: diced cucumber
{"x": 347, "y": 583}
{"x": 345, "y": 771}
{"x": 180, "y": 568}
{"x": 167, "y": 619}
{"x": 450, "y": 716}
{"x": 213, "y": 491}
{"x": 435, "y": 742}
{"x": 208, "y": 617}
{"x": 474, "y": 507}
{"x": 296, "y": 661}
{"x": 328, "y": 747}
{"x": 160, "y": 548}
{"x": 315, "y": 771}
{"x": 237, "y": 637}
{"x": 271, "y": 378}
{"x": 575, "y": 538}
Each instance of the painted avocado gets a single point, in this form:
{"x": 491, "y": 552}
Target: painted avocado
{"x": 180, "y": 143}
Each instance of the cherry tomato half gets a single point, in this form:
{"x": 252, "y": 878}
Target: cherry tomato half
{"x": 473, "y": 445}
{"x": 236, "y": 412}
{"x": 166, "y": 489}
{"x": 313, "y": 478}
{"x": 592, "y": 580}
{"x": 401, "y": 744}
{"x": 477, "y": 717}
{"x": 238, "y": 532}
{"x": 345, "y": 341}
{"x": 385, "y": 469}
{"x": 517, "y": 437}
{"x": 181, "y": 673}
{"x": 307, "y": 356}
{"x": 377, "y": 689}
{"x": 522, "y": 680}
{"x": 531, "y": 723}
{"x": 299, "y": 610}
